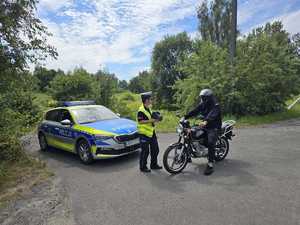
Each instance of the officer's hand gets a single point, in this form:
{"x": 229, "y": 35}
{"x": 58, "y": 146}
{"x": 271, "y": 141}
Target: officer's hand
{"x": 182, "y": 119}
{"x": 203, "y": 123}
{"x": 154, "y": 121}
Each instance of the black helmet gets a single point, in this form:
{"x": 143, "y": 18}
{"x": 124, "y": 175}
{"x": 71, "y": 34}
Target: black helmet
{"x": 206, "y": 95}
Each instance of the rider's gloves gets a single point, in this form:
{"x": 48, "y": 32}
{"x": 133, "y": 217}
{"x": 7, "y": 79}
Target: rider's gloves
{"x": 182, "y": 119}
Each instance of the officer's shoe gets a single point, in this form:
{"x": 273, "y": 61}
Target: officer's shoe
{"x": 208, "y": 170}
{"x": 145, "y": 170}
{"x": 156, "y": 167}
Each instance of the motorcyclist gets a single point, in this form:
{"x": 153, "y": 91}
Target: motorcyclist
{"x": 210, "y": 109}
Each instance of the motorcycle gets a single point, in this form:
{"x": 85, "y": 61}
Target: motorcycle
{"x": 192, "y": 143}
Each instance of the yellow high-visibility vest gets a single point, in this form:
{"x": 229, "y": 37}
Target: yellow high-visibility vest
{"x": 146, "y": 129}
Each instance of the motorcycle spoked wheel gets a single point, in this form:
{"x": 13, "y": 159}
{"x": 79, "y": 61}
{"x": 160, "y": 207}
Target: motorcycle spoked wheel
{"x": 175, "y": 159}
{"x": 222, "y": 149}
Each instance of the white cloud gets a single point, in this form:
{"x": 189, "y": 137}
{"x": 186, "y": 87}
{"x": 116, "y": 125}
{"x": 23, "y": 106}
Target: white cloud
{"x": 53, "y": 5}
{"x": 290, "y": 22}
{"x": 110, "y": 31}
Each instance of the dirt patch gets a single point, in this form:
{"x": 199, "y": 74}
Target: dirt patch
{"x": 46, "y": 204}
{"x": 36, "y": 201}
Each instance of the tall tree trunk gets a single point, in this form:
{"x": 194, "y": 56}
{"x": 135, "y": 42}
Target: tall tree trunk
{"x": 233, "y": 30}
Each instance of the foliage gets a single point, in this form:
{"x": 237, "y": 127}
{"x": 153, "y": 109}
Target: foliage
{"x": 45, "y": 76}
{"x": 267, "y": 72}
{"x": 206, "y": 67}
{"x": 105, "y": 86}
{"x": 81, "y": 85}
{"x": 264, "y": 77}
{"x": 17, "y": 112}
{"x": 77, "y": 85}
{"x": 127, "y": 104}
{"x": 123, "y": 85}
{"x": 214, "y": 21}
{"x": 16, "y": 100}
{"x": 167, "y": 54}
{"x": 22, "y": 35}
{"x": 141, "y": 83}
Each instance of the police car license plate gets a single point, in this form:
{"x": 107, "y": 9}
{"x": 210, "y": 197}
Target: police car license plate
{"x": 132, "y": 142}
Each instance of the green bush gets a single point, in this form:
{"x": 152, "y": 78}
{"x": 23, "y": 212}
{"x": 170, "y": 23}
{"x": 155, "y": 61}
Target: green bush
{"x": 126, "y": 104}
{"x": 264, "y": 77}
{"x": 10, "y": 148}
{"x": 74, "y": 86}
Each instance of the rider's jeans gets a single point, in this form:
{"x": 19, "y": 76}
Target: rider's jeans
{"x": 212, "y": 135}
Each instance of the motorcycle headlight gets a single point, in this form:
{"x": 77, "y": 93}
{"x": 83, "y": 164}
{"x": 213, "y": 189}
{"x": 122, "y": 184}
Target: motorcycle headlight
{"x": 179, "y": 129}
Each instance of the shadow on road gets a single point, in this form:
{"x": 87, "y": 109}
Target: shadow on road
{"x": 56, "y": 157}
{"x": 228, "y": 174}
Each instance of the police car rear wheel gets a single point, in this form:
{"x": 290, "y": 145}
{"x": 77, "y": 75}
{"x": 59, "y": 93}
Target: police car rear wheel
{"x": 84, "y": 152}
{"x": 43, "y": 142}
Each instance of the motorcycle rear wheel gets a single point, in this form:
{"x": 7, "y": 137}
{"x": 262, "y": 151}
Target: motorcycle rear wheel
{"x": 222, "y": 149}
{"x": 175, "y": 155}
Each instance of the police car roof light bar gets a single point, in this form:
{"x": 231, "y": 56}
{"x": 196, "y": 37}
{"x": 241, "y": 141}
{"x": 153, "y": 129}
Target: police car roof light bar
{"x": 74, "y": 103}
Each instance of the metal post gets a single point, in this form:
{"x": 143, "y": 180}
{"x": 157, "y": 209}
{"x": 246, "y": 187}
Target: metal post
{"x": 233, "y": 30}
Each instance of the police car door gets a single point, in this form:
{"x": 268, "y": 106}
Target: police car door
{"x": 49, "y": 127}
{"x": 65, "y": 134}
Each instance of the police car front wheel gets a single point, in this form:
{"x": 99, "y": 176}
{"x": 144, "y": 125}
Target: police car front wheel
{"x": 84, "y": 152}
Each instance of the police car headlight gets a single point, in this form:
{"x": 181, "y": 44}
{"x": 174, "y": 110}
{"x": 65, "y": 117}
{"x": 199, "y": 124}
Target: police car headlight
{"x": 179, "y": 129}
{"x": 101, "y": 137}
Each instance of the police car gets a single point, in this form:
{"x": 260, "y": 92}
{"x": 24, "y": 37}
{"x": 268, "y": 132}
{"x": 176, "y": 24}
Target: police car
{"x": 89, "y": 130}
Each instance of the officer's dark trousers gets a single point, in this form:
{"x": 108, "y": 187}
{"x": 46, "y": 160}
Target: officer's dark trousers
{"x": 147, "y": 143}
{"x": 212, "y": 135}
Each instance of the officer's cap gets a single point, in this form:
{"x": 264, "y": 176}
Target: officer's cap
{"x": 146, "y": 95}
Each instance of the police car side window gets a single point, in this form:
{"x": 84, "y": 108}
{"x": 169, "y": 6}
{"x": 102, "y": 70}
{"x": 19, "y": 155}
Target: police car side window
{"x": 65, "y": 115}
{"x": 52, "y": 115}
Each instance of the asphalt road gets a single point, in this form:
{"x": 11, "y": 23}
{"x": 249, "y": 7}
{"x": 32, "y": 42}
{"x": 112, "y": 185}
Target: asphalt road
{"x": 258, "y": 183}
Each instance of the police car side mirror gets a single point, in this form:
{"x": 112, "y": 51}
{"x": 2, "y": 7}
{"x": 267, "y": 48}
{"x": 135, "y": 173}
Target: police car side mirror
{"x": 66, "y": 122}
{"x": 118, "y": 114}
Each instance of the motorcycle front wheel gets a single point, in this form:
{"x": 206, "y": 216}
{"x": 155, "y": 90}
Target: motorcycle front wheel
{"x": 175, "y": 158}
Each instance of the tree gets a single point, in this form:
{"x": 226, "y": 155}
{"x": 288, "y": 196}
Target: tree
{"x": 167, "y": 55}
{"x": 214, "y": 21}
{"x": 123, "y": 85}
{"x": 22, "y": 35}
{"x": 140, "y": 83}
{"x": 77, "y": 85}
{"x": 107, "y": 85}
{"x": 45, "y": 76}
{"x": 266, "y": 73}
{"x": 206, "y": 67}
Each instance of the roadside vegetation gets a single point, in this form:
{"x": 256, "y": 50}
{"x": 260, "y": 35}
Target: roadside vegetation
{"x": 253, "y": 89}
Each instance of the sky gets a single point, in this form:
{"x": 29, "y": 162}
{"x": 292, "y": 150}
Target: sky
{"x": 119, "y": 35}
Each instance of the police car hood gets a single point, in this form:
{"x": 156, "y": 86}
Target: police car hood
{"x": 116, "y": 126}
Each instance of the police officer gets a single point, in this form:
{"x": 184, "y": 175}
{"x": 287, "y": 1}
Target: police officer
{"x": 146, "y": 129}
{"x": 210, "y": 109}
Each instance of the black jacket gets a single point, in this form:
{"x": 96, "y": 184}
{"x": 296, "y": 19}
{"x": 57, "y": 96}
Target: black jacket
{"x": 211, "y": 112}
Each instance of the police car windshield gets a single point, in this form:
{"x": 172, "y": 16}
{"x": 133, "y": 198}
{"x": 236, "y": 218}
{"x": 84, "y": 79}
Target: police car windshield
{"x": 92, "y": 114}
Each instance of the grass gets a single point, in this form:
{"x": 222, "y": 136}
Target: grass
{"x": 18, "y": 177}
{"x": 270, "y": 118}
